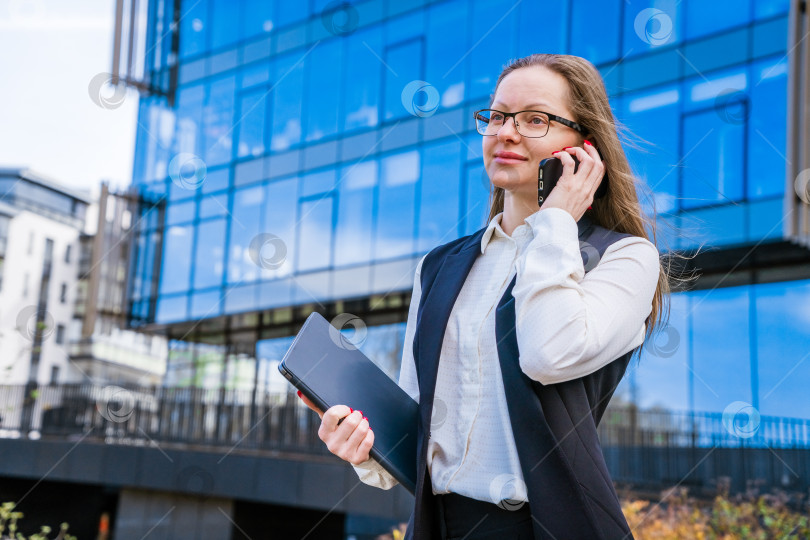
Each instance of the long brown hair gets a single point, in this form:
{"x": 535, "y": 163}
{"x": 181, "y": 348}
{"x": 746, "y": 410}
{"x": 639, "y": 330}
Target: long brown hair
{"x": 619, "y": 210}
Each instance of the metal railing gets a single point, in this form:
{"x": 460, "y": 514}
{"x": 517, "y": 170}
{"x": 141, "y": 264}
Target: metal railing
{"x": 187, "y": 416}
{"x": 217, "y": 417}
{"x": 641, "y": 448}
{"x": 628, "y": 426}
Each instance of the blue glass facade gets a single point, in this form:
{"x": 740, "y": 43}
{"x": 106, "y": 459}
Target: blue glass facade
{"x": 303, "y": 124}
{"x": 747, "y": 343}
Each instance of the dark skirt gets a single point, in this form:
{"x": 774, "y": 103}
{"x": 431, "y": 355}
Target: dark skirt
{"x": 462, "y": 517}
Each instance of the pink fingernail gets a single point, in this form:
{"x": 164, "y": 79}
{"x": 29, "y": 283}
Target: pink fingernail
{"x": 588, "y": 143}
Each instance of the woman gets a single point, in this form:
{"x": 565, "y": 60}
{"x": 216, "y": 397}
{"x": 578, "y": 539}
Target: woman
{"x": 533, "y": 333}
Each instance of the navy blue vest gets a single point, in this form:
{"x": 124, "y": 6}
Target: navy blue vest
{"x": 570, "y": 491}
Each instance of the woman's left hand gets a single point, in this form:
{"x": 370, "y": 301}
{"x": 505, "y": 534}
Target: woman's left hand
{"x": 574, "y": 192}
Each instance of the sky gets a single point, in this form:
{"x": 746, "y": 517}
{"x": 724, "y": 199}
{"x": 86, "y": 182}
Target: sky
{"x": 50, "y": 51}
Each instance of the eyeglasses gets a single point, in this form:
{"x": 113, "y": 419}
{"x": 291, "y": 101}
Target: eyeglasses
{"x": 527, "y": 123}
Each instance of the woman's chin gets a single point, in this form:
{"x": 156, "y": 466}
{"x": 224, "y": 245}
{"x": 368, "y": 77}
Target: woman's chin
{"x": 507, "y": 178}
{"x": 514, "y": 186}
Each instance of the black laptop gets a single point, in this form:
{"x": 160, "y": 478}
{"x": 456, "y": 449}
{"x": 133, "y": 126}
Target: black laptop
{"x": 328, "y": 369}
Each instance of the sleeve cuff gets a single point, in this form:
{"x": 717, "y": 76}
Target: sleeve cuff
{"x": 371, "y": 473}
{"x": 370, "y": 464}
{"x": 553, "y": 226}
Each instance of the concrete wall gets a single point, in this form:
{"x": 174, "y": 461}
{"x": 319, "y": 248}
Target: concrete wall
{"x": 318, "y": 483}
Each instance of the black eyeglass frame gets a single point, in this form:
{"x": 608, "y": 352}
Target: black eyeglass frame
{"x": 552, "y": 118}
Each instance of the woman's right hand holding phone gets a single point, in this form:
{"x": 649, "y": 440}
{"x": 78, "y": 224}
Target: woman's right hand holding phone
{"x": 575, "y": 191}
{"x": 350, "y": 439}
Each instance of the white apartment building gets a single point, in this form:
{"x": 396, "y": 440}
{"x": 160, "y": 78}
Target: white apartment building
{"x": 62, "y": 276}
{"x": 40, "y": 225}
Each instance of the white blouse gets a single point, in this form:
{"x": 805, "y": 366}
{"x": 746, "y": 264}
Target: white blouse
{"x": 568, "y": 325}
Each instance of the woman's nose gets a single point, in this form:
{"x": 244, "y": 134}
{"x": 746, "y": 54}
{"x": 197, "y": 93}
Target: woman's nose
{"x": 508, "y": 131}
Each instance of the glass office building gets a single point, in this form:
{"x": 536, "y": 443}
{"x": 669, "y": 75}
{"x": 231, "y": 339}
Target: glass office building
{"x": 297, "y": 156}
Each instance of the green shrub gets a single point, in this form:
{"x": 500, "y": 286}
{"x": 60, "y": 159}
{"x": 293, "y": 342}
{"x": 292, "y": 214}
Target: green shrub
{"x": 9, "y": 519}
{"x": 677, "y": 516}
{"x": 749, "y": 516}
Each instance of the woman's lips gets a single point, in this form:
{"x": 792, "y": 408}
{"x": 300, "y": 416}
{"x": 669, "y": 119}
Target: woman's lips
{"x": 509, "y": 157}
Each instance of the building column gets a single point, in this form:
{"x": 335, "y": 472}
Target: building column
{"x": 170, "y": 516}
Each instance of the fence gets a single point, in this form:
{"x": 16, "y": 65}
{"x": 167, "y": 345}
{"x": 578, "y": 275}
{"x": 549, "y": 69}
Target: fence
{"x": 188, "y": 416}
{"x": 642, "y": 448}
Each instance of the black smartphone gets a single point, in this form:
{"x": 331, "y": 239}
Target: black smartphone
{"x": 549, "y": 173}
